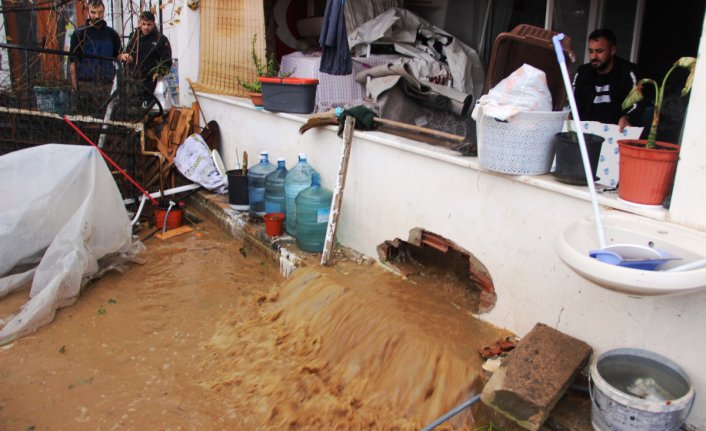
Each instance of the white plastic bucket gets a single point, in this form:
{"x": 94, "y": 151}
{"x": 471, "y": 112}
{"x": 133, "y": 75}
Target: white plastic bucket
{"x": 637, "y": 390}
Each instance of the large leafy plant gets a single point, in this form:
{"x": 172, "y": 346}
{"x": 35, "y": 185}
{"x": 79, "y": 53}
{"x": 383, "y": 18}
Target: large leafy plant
{"x": 636, "y": 95}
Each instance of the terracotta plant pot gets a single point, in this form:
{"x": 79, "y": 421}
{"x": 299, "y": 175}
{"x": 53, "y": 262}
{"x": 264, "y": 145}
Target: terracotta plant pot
{"x": 174, "y": 218}
{"x": 646, "y": 175}
{"x": 569, "y": 163}
{"x": 274, "y": 224}
{"x": 256, "y": 98}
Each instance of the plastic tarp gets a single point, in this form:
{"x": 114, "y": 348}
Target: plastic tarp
{"x": 62, "y": 224}
{"x": 414, "y": 37}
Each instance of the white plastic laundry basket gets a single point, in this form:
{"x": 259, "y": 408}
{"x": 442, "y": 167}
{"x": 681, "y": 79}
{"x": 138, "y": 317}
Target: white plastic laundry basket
{"x": 521, "y": 146}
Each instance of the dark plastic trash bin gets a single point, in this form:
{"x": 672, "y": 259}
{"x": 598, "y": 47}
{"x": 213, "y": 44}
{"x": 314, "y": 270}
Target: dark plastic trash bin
{"x": 294, "y": 95}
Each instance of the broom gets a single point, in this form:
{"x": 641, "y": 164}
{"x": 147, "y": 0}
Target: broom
{"x": 320, "y": 119}
{"x": 435, "y": 137}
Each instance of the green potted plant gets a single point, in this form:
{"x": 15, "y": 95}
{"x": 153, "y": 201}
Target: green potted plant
{"x": 276, "y": 91}
{"x": 647, "y": 167}
{"x": 262, "y": 69}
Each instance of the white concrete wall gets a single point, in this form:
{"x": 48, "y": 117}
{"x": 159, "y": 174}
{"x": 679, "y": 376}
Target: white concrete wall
{"x": 510, "y": 224}
{"x": 689, "y": 197}
{"x": 394, "y": 185}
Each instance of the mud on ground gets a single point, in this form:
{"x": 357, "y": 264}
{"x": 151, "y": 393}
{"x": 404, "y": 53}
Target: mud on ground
{"x": 207, "y": 335}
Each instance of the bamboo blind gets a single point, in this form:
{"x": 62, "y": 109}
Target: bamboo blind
{"x": 227, "y": 28}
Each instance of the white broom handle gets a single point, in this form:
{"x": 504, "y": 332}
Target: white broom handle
{"x": 582, "y": 142}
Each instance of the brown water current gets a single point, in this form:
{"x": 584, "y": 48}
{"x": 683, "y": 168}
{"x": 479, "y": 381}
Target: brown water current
{"x": 207, "y": 335}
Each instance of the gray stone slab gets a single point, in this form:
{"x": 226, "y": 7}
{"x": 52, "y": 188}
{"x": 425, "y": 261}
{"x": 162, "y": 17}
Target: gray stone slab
{"x": 534, "y": 376}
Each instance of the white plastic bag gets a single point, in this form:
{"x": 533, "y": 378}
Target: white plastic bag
{"x": 162, "y": 93}
{"x": 524, "y": 90}
{"x": 193, "y": 159}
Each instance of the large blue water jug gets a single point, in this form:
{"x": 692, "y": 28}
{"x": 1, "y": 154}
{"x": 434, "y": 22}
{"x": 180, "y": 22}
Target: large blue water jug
{"x": 256, "y": 184}
{"x": 274, "y": 189}
{"x": 298, "y": 179}
{"x": 313, "y": 208}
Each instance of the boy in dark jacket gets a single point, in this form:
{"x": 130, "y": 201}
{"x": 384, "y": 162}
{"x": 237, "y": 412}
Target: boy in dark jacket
{"x": 148, "y": 53}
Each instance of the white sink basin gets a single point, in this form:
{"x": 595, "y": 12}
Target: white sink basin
{"x": 574, "y": 243}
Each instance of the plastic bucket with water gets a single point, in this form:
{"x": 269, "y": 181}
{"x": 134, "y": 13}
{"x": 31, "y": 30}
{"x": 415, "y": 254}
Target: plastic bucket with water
{"x": 637, "y": 390}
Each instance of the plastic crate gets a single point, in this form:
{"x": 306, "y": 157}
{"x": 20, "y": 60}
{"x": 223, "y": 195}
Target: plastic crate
{"x": 54, "y": 100}
{"x": 533, "y": 46}
{"x": 294, "y": 95}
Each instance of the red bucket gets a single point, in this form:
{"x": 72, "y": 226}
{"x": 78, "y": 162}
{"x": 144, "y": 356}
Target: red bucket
{"x": 174, "y": 218}
{"x": 274, "y": 224}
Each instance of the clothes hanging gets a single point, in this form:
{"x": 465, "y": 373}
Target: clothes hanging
{"x": 336, "y": 56}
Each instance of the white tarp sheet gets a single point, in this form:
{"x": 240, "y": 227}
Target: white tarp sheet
{"x": 62, "y": 223}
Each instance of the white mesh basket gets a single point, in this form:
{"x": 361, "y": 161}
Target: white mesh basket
{"x": 521, "y": 146}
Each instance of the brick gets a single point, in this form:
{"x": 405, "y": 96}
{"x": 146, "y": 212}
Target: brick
{"x": 535, "y": 375}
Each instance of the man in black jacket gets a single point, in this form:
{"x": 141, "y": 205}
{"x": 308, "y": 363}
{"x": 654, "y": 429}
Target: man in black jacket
{"x": 92, "y": 78}
{"x": 149, "y": 53}
{"x": 601, "y": 85}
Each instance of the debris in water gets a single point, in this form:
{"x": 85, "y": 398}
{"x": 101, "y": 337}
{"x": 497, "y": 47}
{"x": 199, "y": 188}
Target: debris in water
{"x": 500, "y": 348}
{"x": 648, "y": 389}
{"x": 287, "y": 262}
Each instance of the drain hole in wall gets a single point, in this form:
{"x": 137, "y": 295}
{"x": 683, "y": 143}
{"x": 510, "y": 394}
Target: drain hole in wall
{"x": 428, "y": 258}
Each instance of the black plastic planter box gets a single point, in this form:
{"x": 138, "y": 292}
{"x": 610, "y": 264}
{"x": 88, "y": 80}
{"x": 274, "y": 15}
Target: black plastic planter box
{"x": 294, "y": 95}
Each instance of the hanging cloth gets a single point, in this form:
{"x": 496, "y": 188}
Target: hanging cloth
{"x": 336, "y": 56}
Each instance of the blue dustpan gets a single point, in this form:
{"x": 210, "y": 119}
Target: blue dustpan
{"x": 632, "y": 256}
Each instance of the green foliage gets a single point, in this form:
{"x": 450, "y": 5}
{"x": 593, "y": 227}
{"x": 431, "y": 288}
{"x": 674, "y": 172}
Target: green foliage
{"x": 253, "y": 86}
{"x": 268, "y": 69}
{"x": 161, "y": 69}
{"x": 636, "y": 95}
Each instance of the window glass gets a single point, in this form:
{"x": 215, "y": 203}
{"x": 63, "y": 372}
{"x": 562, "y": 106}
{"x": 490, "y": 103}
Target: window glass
{"x": 505, "y": 15}
{"x": 619, "y": 16}
{"x": 571, "y": 18}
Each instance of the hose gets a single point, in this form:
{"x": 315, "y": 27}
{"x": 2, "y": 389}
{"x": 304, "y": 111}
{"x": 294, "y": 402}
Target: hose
{"x": 158, "y": 194}
{"x": 451, "y": 413}
{"x": 166, "y": 216}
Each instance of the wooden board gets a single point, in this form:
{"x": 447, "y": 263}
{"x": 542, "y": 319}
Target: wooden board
{"x": 174, "y": 232}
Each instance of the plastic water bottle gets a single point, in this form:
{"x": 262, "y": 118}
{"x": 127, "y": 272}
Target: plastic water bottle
{"x": 256, "y": 184}
{"x": 313, "y": 208}
{"x": 298, "y": 179}
{"x": 274, "y": 189}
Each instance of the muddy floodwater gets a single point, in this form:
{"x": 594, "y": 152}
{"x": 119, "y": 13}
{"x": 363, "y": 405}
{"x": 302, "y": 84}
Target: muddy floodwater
{"x": 207, "y": 335}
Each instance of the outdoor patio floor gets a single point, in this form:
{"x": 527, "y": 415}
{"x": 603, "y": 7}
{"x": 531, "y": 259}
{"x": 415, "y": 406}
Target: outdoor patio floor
{"x": 206, "y": 334}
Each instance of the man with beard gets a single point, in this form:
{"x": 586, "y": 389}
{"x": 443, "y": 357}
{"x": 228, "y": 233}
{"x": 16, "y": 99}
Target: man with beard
{"x": 90, "y": 77}
{"x": 149, "y": 53}
{"x": 601, "y": 85}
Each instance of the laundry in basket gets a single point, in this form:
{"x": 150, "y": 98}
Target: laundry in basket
{"x": 524, "y": 90}
{"x": 515, "y": 124}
